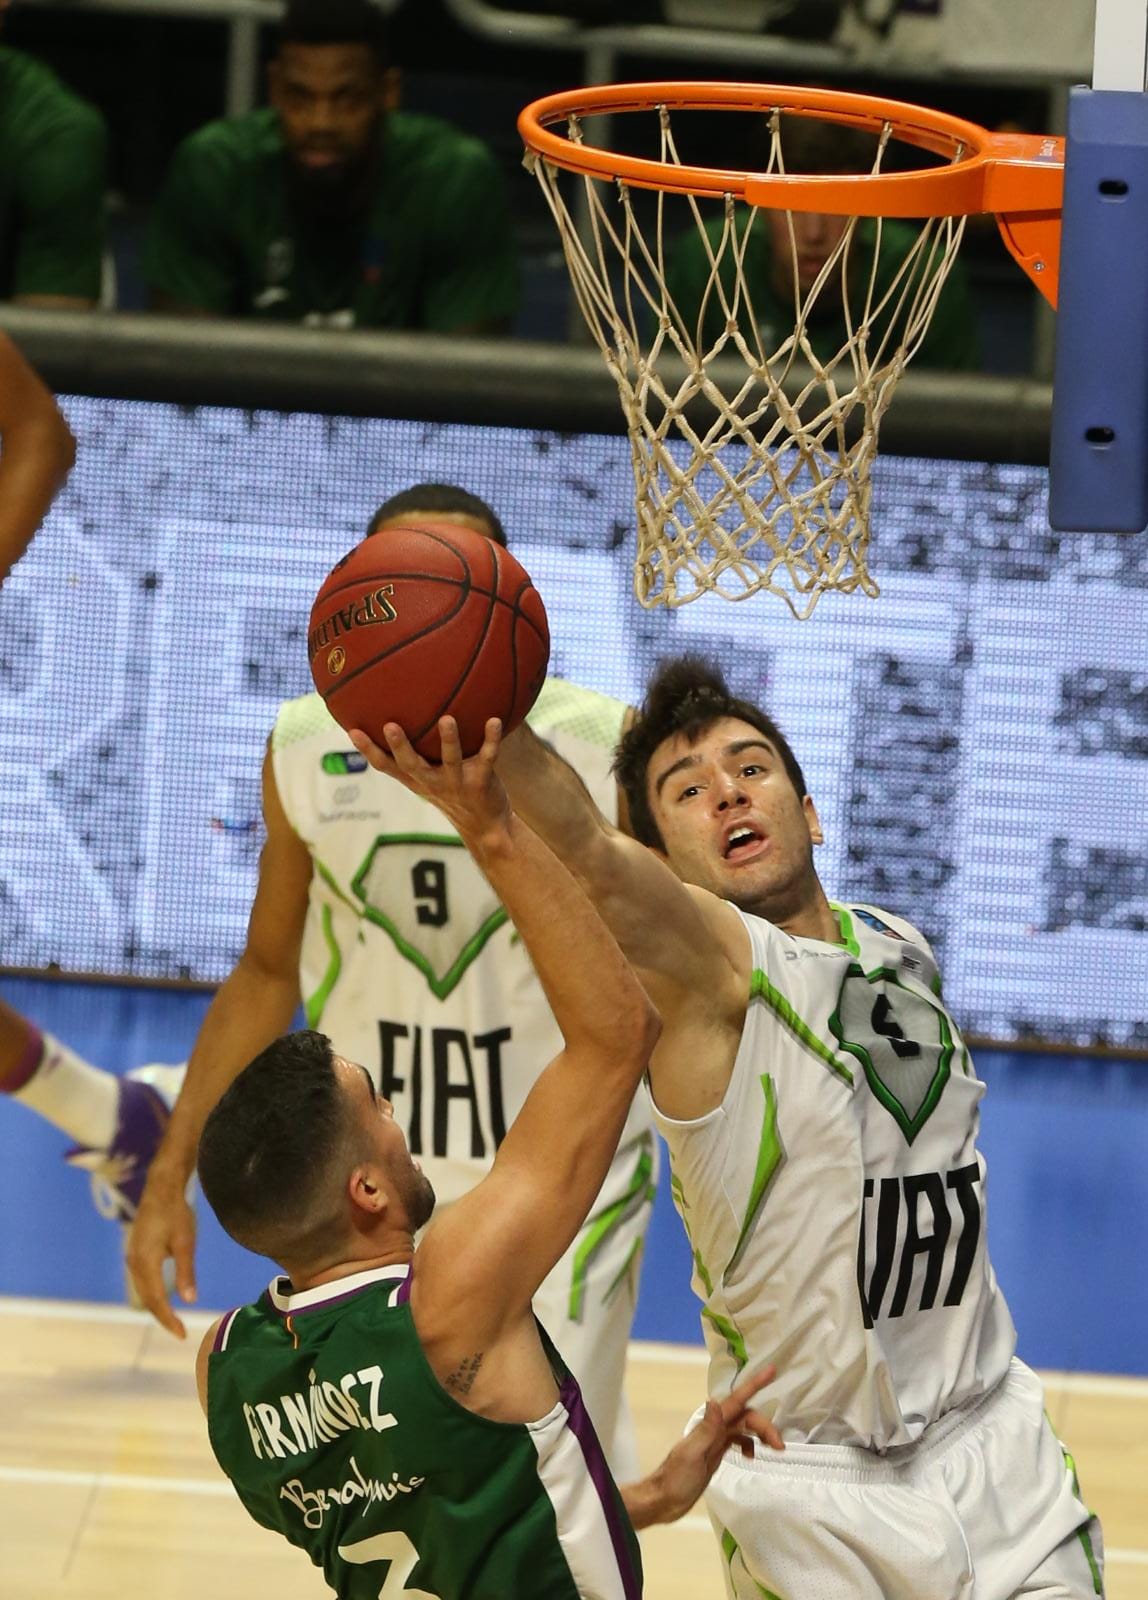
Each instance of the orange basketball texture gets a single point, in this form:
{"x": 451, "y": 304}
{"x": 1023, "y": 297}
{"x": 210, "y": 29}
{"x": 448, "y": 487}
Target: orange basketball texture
{"x": 427, "y": 620}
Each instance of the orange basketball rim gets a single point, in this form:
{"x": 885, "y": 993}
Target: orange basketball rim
{"x": 1017, "y": 177}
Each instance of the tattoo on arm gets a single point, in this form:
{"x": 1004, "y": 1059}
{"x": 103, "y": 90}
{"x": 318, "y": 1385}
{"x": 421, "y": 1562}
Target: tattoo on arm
{"x": 461, "y": 1380}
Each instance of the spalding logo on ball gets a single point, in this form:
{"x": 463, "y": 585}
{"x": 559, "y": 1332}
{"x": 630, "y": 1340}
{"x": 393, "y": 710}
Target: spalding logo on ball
{"x": 428, "y": 620}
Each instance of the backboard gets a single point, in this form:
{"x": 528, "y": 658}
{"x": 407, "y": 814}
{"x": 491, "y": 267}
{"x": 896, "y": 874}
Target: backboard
{"x": 1099, "y": 448}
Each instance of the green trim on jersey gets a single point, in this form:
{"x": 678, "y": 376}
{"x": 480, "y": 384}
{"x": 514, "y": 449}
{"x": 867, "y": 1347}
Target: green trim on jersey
{"x": 730, "y": 1334}
{"x": 770, "y": 1156}
{"x": 1082, "y": 1533}
{"x": 910, "y": 1124}
{"x": 845, "y": 928}
{"x": 313, "y": 1008}
{"x": 728, "y": 1331}
{"x": 683, "y": 1206}
{"x": 760, "y": 988}
{"x": 440, "y": 984}
{"x": 601, "y": 1228}
{"x": 731, "y": 1548}
{"x": 627, "y": 1269}
{"x": 328, "y": 878}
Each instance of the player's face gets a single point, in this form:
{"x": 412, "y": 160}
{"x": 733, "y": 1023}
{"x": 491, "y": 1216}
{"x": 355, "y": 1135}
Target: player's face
{"x": 412, "y": 1197}
{"x": 330, "y": 99}
{"x": 730, "y": 818}
{"x": 815, "y": 237}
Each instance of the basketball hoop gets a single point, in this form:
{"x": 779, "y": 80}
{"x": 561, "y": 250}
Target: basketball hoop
{"x": 752, "y": 451}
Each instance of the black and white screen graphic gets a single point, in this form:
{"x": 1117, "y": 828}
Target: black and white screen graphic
{"x": 976, "y": 739}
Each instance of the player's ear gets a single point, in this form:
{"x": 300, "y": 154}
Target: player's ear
{"x": 367, "y": 1194}
{"x": 812, "y": 820}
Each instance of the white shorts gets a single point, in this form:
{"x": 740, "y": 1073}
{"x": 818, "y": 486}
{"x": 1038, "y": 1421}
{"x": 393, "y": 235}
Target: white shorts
{"x": 984, "y": 1506}
{"x": 587, "y": 1302}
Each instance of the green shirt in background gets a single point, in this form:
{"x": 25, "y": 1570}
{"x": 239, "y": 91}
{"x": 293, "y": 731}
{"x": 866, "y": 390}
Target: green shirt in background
{"x": 951, "y": 342}
{"x": 53, "y": 149}
{"x": 433, "y": 250}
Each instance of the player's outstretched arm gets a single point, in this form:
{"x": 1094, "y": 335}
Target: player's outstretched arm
{"x": 494, "y": 1247}
{"x": 679, "y": 1482}
{"x": 684, "y": 943}
{"x": 36, "y": 454}
{"x": 253, "y": 1006}
{"x": 679, "y": 937}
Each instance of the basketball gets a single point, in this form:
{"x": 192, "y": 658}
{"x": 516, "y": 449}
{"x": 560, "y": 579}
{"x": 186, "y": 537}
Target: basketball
{"x": 427, "y": 620}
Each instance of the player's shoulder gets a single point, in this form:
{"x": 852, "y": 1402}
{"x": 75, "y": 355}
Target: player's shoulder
{"x": 565, "y": 707}
{"x": 855, "y": 914}
{"x": 216, "y": 1341}
{"x": 430, "y": 146}
{"x": 879, "y": 919}
{"x": 233, "y": 144}
{"x": 36, "y": 101}
{"x": 304, "y": 718}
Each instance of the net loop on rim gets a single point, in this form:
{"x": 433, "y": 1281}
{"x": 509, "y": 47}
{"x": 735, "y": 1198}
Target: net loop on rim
{"x": 752, "y": 446}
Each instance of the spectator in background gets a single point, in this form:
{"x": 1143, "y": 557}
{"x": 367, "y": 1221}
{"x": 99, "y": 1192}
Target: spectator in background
{"x": 331, "y": 207}
{"x": 52, "y": 160}
{"x": 36, "y": 454}
{"x": 778, "y": 269}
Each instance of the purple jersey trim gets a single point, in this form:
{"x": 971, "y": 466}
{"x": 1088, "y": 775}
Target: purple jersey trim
{"x": 320, "y": 1305}
{"x": 276, "y": 1295}
{"x": 403, "y": 1293}
{"x": 583, "y": 1430}
{"x": 223, "y": 1330}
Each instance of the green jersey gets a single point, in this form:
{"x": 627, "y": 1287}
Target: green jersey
{"x": 431, "y": 248}
{"x": 52, "y": 154}
{"x": 325, "y": 1414}
{"x": 950, "y": 343}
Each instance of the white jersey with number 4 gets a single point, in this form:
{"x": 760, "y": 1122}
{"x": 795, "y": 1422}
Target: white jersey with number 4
{"x": 835, "y": 1200}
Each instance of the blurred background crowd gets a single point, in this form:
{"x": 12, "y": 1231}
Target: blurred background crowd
{"x": 355, "y": 163}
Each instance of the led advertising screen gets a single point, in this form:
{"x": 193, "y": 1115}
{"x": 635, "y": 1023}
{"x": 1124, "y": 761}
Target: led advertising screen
{"x": 976, "y": 739}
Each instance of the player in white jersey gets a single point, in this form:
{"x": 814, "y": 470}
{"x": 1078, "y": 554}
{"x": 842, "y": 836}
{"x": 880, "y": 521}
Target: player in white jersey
{"x": 370, "y": 912}
{"x": 821, "y": 1111}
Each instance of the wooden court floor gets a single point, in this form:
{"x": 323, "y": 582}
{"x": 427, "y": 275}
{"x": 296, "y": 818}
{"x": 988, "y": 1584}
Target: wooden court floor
{"x": 108, "y": 1489}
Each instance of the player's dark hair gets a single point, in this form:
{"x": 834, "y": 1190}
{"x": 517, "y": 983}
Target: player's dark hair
{"x": 427, "y": 498}
{"x": 268, "y": 1158}
{"x": 686, "y": 695}
{"x": 337, "y": 22}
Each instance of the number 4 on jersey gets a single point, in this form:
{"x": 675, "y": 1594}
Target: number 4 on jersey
{"x": 402, "y": 1555}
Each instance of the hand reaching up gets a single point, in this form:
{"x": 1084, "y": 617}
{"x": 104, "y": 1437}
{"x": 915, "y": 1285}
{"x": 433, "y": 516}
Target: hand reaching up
{"x": 465, "y": 789}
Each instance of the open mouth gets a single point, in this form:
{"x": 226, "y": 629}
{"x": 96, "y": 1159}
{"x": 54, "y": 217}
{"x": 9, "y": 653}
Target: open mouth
{"x": 743, "y": 843}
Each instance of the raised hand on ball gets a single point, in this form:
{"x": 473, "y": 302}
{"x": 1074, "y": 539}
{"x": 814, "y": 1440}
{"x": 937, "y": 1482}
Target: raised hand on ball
{"x": 466, "y": 789}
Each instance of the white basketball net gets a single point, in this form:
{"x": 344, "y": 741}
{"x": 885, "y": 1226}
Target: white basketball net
{"x": 751, "y": 464}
